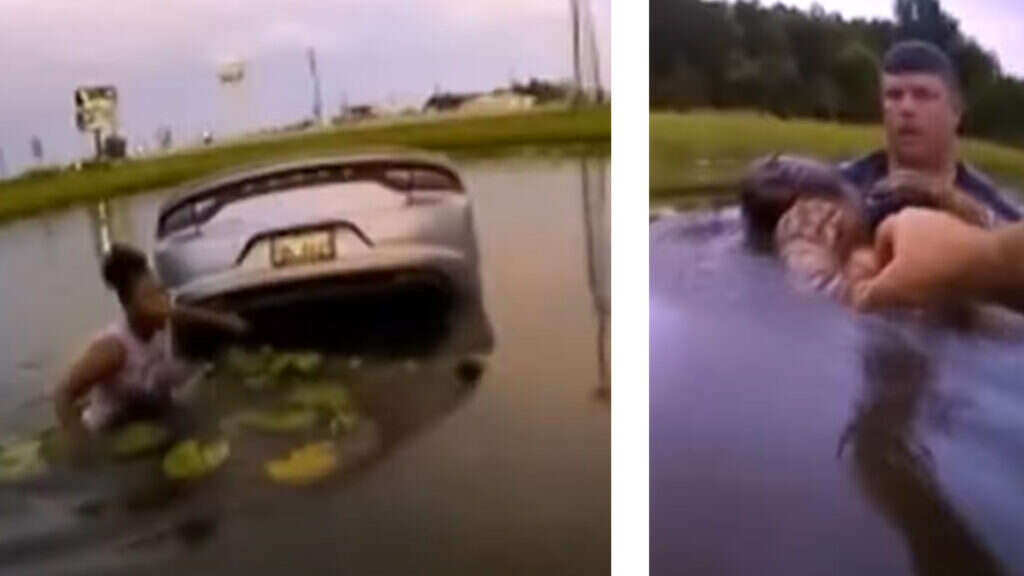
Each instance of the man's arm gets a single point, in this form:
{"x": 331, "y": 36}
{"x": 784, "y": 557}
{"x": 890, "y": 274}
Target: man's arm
{"x": 928, "y": 257}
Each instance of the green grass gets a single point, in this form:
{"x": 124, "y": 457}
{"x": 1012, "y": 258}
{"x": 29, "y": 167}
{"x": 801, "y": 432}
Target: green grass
{"x": 704, "y": 153}
{"x": 555, "y": 130}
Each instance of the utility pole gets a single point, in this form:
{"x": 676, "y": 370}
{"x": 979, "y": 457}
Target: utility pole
{"x": 583, "y": 31}
{"x": 595, "y": 57}
{"x": 317, "y": 101}
{"x": 37, "y": 149}
{"x": 576, "y": 68}
{"x": 3, "y": 165}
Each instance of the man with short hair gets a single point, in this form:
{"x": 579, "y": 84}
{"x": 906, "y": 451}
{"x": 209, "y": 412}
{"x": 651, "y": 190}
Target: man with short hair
{"x": 922, "y": 108}
{"x": 925, "y": 257}
{"x": 821, "y": 219}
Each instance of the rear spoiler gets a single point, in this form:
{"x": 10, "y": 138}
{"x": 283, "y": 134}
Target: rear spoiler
{"x": 199, "y": 205}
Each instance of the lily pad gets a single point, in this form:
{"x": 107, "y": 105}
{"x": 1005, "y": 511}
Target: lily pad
{"x": 321, "y": 396}
{"x": 21, "y": 461}
{"x": 137, "y": 439}
{"x": 271, "y": 421}
{"x": 305, "y": 465}
{"x": 302, "y": 363}
{"x": 189, "y": 460}
{"x": 53, "y": 445}
{"x": 257, "y": 382}
{"x": 343, "y": 422}
{"x": 242, "y": 361}
{"x": 328, "y": 398}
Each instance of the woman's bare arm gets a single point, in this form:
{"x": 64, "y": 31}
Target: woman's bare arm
{"x": 100, "y": 362}
{"x": 222, "y": 320}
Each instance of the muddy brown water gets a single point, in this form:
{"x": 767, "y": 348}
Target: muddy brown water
{"x": 504, "y": 473}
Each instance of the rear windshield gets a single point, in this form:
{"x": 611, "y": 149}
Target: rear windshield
{"x": 399, "y": 176}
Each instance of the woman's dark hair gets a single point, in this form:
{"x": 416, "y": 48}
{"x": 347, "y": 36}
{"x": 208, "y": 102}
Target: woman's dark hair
{"x": 122, "y": 266}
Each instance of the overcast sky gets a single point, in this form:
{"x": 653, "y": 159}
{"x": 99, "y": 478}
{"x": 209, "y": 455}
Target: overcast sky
{"x": 996, "y": 24}
{"x": 162, "y": 56}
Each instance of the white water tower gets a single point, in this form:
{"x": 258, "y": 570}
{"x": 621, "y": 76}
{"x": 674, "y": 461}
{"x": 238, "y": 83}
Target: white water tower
{"x": 234, "y": 100}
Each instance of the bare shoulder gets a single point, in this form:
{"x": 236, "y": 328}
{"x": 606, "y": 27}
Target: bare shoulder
{"x": 106, "y": 353}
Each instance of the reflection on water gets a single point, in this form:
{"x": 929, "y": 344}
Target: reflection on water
{"x": 486, "y": 455}
{"x": 109, "y": 224}
{"x": 597, "y": 223}
{"x": 754, "y": 386}
{"x": 893, "y": 464}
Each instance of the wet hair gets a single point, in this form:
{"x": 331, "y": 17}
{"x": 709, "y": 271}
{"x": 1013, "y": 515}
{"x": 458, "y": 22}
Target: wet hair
{"x": 122, "y": 266}
{"x": 919, "y": 57}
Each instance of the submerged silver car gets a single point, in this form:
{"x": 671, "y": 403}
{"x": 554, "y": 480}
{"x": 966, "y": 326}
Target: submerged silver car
{"x": 365, "y": 229}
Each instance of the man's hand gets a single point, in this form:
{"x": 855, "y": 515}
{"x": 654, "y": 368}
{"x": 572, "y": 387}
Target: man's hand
{"x": 927, "y": 258}
{"x": 913, "y": 188}
{"x": 910, "y": 188}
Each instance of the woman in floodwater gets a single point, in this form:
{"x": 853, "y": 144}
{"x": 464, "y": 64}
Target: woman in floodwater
{"x": 128, "y": 370}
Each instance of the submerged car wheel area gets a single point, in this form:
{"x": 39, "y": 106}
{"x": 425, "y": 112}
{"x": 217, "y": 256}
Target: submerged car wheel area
{"x": 358, "y": 252}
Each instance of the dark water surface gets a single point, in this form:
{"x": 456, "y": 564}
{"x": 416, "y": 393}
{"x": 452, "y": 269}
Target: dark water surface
{"x": 508, "y": 473}
{"x": 791, "y": 436}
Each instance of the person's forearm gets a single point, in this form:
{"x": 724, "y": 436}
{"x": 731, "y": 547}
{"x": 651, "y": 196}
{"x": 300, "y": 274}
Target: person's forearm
{"x": 67, "y": 411}
{"x": 204, "y": 316}
{"x": 1006, "y": 279}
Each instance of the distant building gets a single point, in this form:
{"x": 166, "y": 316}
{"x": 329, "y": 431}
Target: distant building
{"x": 498, "y": 101}
{"x": 447, "y": 102}
{"x": 545, "y": 91}
{"x": 356, "y": 113}
{"x": 517, "y": 97}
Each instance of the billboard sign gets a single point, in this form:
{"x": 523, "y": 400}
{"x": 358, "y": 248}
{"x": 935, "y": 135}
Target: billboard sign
{"x": 96, "y": 109}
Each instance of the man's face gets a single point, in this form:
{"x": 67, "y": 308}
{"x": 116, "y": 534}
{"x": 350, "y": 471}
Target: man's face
{"x": 921, "y": 119}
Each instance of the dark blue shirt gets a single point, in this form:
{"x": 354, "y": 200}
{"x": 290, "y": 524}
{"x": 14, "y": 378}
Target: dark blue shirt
{"x": 865, "y": 172}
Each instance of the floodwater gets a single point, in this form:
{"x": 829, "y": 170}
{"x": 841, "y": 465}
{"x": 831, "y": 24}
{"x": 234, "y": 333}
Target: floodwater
{"x": 792, "y": 436}
{"x": 502, "y": 472}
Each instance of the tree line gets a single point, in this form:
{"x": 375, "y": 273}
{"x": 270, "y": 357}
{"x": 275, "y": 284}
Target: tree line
{"x": 814, "y": 64}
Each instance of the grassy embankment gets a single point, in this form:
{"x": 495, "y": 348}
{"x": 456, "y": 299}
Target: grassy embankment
{"x": 545, "y": 131}
{"x": 697, "y": 157}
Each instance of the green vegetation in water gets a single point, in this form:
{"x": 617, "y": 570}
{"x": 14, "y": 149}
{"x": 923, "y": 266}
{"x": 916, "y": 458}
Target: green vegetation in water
{"x": 305, "y": 465}
{"x": 21, "y": 461}
{"x": 266, "y": 369}
{"x": 552, "y": 129}
{"x": 325, "y": 397}
{"x": 705, "y": 153}
{"x": 299, "y": 398}
{"x": 138, "y": 439}
{"x": 292, "y": 379}
{"x": 330, "y": 399}
{"x": 295, "y": 363}
{"x": 189, "y": 460}
{"x": 279, "y": 420}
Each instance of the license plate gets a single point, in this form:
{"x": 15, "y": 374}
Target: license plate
{"x": 302, "y": 248}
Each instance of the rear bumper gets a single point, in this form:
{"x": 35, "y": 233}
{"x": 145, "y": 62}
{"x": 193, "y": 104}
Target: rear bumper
{"x": 397, "y": 301}
{"x": 379, "y": 269}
